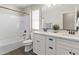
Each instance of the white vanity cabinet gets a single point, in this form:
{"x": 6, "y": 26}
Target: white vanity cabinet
{"x": 48, "y": 44}
{"x": 38, "y": 44}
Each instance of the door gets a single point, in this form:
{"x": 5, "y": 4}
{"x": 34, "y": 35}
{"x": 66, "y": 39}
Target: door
{"x": 63, "y": 50}
{"x": 39, "y": 44}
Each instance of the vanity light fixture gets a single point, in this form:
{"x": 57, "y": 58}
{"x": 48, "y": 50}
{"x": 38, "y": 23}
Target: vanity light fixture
{"x": 50, "y": 5}
{"x": 54, "y": 4}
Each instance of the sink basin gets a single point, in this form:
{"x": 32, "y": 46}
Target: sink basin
{"x": 70, "y": 35}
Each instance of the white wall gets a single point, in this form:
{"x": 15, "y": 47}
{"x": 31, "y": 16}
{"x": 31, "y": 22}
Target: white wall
{"x": 29, "y": 11}
{"x": 54, "y": 14}
{"x": 27, "y": 21}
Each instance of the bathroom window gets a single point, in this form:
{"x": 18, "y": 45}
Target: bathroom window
{"x": 35, "y": 19}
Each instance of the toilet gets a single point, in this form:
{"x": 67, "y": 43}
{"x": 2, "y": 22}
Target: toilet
{"x": 28, "y": 45}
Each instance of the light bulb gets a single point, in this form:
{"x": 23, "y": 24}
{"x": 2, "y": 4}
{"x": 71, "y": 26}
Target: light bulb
{"x": 54, "y": 4}
{"x": 48, "y": 5}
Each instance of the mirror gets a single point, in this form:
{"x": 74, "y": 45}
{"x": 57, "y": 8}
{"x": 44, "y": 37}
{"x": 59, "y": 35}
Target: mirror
{"x": 69, "y": 21}
{"x": 63, "y": 15}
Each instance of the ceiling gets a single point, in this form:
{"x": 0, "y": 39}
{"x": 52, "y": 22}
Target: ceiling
{"x": 21, "y": 5}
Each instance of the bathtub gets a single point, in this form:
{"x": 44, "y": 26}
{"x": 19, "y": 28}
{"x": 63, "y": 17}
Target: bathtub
{"x": 9, "y": 45}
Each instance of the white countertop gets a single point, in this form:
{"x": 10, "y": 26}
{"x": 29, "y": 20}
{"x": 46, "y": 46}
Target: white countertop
{"x": 60, "y": 35}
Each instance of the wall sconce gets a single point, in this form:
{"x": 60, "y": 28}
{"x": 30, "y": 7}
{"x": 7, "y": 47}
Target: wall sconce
{"x": 77, "y": 24}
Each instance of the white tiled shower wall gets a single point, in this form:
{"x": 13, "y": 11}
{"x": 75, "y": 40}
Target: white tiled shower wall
{"x": 12, "y": 25}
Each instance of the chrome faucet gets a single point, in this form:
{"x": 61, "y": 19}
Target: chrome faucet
{"x": 71, "y": 31}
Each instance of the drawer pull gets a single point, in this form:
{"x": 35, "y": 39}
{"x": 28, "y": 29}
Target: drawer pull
{"x": 24, "y": 35}
{"x": 70, "y": 52}
{"x": 38, "y": 41}
{"x": 50, "y": 47}
{"x": 51, "y": 39}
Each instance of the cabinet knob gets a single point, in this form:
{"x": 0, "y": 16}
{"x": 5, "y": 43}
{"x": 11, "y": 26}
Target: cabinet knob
{"x": 50, "y": 47}
{"x": 70, "y": 52}
{"x": 50, "y": 39}
{"x": 73, "y": 53}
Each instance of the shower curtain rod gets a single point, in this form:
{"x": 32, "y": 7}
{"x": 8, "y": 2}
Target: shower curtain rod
{"x": 13, "y": 10}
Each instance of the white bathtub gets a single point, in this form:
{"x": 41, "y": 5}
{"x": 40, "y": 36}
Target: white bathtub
{"x": 9, "y": 45}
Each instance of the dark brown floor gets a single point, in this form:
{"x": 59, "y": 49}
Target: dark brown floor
{"x": 20, "y": 51}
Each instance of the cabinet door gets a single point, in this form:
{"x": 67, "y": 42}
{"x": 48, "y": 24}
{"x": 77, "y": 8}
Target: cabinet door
{"x": 39, "y": 44}
{"x": 35, "y": 45}
{"x": 60, "y": 51}
{"x": 41, "y": 47}
{"x": 50, "y": 50}
{"x": 63, "y": 50}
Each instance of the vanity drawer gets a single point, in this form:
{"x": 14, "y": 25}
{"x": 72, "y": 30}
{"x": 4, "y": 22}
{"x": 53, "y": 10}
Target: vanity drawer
{"x": 50, "y": 49}
{"x": 50, "y": 40}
